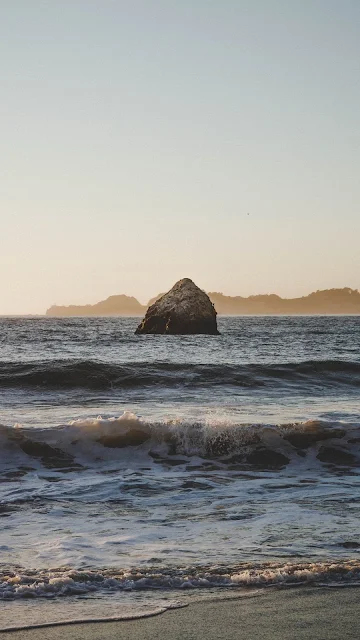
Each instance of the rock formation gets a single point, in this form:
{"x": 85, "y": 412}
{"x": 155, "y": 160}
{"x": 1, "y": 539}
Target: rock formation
{"x": 184, "y": 310}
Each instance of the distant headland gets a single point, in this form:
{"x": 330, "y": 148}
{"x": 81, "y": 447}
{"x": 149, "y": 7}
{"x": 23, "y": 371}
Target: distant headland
{"x": 328, "y": 301}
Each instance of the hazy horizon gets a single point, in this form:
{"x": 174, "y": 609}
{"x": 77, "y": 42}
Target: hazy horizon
{"x": 211, "y": 290}
{"x": 147, "y": 141}
{"x": 145, "y": 302}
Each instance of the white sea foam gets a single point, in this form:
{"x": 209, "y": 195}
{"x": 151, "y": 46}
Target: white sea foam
{"x": 66, "y": 582}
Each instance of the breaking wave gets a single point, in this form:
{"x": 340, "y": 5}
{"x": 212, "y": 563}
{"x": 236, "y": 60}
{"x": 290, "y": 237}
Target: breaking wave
{"x": 18, "y": 583}
{"x": 93, "y": 441}
{"x": 67, "y": 374}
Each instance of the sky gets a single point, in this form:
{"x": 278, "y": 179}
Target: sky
{"x": 143, "y": 141}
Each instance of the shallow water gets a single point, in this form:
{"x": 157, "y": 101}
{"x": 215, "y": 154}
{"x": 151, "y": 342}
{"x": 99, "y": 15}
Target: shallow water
{"x": 137, "y": 467}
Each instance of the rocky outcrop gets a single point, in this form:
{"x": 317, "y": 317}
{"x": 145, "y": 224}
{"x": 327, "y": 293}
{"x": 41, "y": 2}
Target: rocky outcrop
{"x": 184, "y": 310}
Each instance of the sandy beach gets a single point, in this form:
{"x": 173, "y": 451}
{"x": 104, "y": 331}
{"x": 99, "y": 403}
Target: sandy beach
{"x": 305, "y": 613}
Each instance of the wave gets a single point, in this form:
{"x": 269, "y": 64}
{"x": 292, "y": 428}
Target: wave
{"x": 92, "y": 374}
{"x": 18, "y": 583}
{"x": 96, "y": 441}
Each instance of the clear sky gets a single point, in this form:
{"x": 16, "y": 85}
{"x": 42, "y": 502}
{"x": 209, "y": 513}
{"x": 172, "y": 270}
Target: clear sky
{"x": 137, "y": 135}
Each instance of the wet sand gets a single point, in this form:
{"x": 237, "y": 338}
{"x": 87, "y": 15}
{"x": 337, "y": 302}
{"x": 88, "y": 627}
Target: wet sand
{"x": 305, "y": 613}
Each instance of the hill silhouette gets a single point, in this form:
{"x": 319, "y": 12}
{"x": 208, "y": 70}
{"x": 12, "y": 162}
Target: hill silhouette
{"x": 120, "y": 305}
{"x": 327, "y": 301}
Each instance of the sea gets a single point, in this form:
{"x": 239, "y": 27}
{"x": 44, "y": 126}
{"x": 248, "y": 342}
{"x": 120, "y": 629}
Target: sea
{"x": 140, "y": 473}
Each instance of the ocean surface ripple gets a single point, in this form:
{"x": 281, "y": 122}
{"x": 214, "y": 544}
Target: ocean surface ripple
{"x": 134, "y": 469}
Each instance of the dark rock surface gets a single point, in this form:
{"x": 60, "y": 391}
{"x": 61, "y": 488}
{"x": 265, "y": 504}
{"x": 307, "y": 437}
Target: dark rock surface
{"x": 184, "y": 310}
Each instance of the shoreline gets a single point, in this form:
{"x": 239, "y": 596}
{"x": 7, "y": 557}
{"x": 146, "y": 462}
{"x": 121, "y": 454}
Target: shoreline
{"x": 319, "y": 613}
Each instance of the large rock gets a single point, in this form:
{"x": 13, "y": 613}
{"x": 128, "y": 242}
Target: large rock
{"x": 184, "y": 310}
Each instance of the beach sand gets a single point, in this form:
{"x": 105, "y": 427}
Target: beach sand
{"x": 305, "y": 613}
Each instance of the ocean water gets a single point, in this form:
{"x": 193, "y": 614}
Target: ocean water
{"x": 140, "y": 472}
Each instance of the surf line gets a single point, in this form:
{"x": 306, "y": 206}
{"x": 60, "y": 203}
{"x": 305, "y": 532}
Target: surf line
{"x": 63, "y": 623}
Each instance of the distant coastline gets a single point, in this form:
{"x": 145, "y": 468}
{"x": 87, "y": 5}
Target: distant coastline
{"x": 325, "y": 302}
